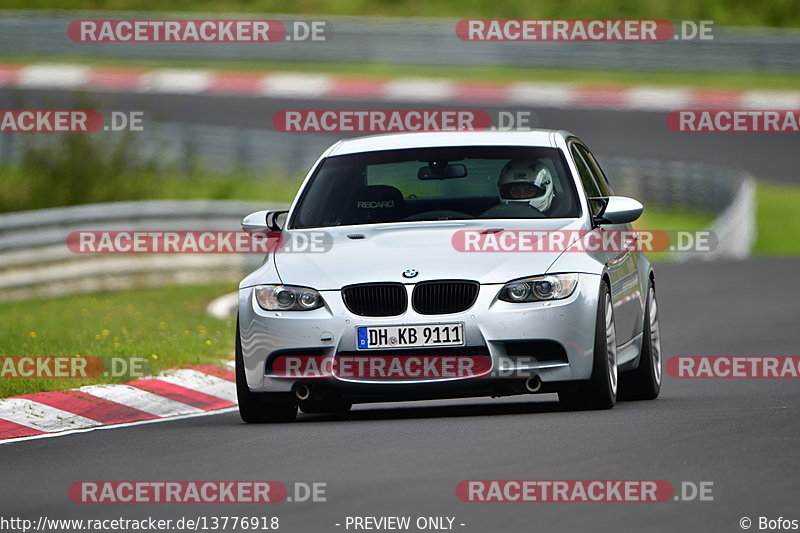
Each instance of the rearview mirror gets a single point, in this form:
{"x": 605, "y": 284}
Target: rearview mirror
{"x": 442, "y": 171}
{"x": 615, "y": 210}
{"x": 263, "y": 220}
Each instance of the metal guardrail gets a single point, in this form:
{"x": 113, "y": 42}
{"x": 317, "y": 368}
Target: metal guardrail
{"x": 671, "y": 184}
{"x": 419, "y": 41}
{"x": 36, "y": 263}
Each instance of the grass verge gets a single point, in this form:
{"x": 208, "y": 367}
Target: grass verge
{"x": 777, "y": 219}
{"x": 168, "y": 326}
{"x": 672, "y": 220}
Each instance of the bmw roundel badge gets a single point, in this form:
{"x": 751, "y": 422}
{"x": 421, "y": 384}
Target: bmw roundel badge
{"x": 410, "y": 273}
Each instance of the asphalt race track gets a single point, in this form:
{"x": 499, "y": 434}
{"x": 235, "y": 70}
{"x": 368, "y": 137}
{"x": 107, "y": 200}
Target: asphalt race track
{"x": 607, "y": 132}
{"x": 406, "y": 459}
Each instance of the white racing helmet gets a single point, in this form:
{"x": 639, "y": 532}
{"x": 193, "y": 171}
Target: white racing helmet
{"x": 536, "y": 179}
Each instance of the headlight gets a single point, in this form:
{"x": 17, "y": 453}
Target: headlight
{"x": 287, "y": 298}
{"x": 552, "y": 287}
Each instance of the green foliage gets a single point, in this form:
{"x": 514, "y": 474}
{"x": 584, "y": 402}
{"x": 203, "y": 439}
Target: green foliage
{"x": 80, "y": 168}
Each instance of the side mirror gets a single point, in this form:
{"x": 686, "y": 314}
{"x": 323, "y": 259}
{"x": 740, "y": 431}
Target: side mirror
{"x": 263, "y": 220}
{"x": 615, "y": 210}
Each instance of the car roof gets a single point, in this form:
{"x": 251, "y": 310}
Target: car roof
{"x": 400, "y": 141}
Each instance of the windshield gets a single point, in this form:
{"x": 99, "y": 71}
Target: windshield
{"x": 448, "y": 183}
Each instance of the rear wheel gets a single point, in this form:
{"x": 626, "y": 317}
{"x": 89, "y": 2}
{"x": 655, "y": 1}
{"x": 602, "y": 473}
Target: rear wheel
{"x": 600, "y": 392}
{"x": 644, "y": 383}
{"x": 254, "y": 407}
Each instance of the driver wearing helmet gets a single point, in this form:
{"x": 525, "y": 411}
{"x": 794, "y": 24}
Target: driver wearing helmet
{"x": 525, "y": 181}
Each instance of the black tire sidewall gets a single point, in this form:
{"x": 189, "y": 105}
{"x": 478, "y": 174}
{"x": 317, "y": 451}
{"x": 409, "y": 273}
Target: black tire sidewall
{"x": 600, "y": 386}
{"x": 641, "y": 384}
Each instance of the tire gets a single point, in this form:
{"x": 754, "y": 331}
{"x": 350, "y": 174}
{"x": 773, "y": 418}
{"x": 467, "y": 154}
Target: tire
{"x": 644, "y": 383}
{"x": 255, "y": 408}
{"x": 600, "y": 391}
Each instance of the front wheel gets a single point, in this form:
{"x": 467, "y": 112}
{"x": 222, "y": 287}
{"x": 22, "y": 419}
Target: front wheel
{"x": 257, "y": 408}
{"x": 644, "y": 383}
{"x": 600, "y": 392}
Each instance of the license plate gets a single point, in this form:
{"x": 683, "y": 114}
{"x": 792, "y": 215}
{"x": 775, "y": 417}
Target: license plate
{"x": 371, "y": 337}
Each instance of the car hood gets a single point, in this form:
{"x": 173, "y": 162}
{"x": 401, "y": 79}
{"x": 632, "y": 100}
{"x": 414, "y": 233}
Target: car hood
{"x": 387, "y": 250}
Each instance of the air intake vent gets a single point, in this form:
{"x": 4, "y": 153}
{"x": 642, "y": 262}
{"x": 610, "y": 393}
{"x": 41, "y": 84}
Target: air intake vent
{"x": 375, "y": 299}
{"x": 443, "y": 297}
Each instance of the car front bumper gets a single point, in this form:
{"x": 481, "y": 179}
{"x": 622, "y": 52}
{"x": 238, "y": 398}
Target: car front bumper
{"x": 510, "y": 334}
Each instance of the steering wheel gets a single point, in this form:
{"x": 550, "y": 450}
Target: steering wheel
{"x": 512, "y": 210}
